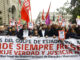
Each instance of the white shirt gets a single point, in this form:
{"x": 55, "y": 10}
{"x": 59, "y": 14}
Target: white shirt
{"x": 43, "y": 33}
{"x": 25, "y": 33}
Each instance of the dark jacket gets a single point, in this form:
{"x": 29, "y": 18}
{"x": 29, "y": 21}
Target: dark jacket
{"x": 12, "y": 33}
{"x": 20, "y": 33}
{"x": 40, "y": 33}
{"x": 72, "y": 35}
{"x": 77, "y": 31}
{"x": 31, "y": 32}
{"x": 49, "y": 32}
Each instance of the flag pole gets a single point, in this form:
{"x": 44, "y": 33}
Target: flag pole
{"x": 48, "y": 10}
{"x": 30, "y": 12}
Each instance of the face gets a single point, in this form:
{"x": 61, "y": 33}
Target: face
{"x": 25, "y": 27}
{"x": 49, "y": 27}
{"x": 73, "y": 30}
{"x": 35, "y": 31}
{"x": 63, "y": 28}
{"x": 43, "y": 27}
{"x": 13, "y": 29}
{"x": 10, "y": 30}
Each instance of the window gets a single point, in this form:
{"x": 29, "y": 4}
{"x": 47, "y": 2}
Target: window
{"x": 0, "y": 12}
{"x": 0, "y": 20}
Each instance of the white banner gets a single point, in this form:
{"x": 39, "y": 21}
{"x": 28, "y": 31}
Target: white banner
{"x": 38, "y": 48}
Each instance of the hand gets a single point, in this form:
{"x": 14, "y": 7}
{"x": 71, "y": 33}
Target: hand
{"x": 24, "y": 38}
{"x": 46, "y": 36}
{"x": 39, "y": 36}
{"x": 7, "y": 35}
{"x": 30, "y": 36}
{"x": 69, "y": 37}
{"x": 54, "y": 36}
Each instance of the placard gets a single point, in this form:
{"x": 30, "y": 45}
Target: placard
{"x": 12, "y": 22}
{"x": 61, "y": 35}
{"x": 63, "y": 24}
{"x": 19, "y": 26}
{"x": 78, "y": 21}
{"x": 60, "y": 20}
{"x": 30, "y": 25}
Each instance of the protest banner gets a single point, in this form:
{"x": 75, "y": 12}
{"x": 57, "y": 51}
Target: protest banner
{"x": 39, "y": 48}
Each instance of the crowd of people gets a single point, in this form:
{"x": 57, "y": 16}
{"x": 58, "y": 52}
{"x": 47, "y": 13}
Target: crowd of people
{"x": 43, "y": 30}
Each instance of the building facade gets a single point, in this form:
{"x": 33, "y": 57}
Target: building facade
{"x": 8, "y": 10}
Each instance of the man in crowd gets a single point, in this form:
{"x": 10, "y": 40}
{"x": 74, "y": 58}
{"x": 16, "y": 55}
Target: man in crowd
{"x": 42, "y": 32}
{"x": 12, "y": 31}
{"x": 23, "y": 33}
{"x": 49, "y": 31}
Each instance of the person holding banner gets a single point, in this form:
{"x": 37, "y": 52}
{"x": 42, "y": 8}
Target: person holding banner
{"x": 14, "y": 31}
{"x": 78, "y": 30}
{"x": 23, "y": 33}
{"x": 72, "y": 34}
{"x": 42, "y": 32}
{"x": 9, "y": 32}
{"x": 55, "y": 28}
{"x": 49, "y": 32}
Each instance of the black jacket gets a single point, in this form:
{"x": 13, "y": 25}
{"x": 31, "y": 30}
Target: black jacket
{"x": 49, "y": 33}
{"x": 72, "y": 35}
{"x": 20, "y": 34}
{"x": 40, "y": 33}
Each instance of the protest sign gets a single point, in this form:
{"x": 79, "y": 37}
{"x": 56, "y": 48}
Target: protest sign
{"x": 61, "y": 34}
{"x": 12, "y": 22}
{"x": 78, "y": 20}
{"x": 60, "y": 20}
{"x": 19, "y": 26}
{"x": 30, "y": 25}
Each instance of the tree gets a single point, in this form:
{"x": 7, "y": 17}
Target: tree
{"x": 76, "y": 11}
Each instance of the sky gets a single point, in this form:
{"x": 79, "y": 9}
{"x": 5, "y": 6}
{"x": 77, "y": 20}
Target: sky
{"x": 38, "y": 6}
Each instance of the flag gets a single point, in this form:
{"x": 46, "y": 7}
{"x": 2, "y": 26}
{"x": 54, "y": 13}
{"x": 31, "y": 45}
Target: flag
{"x": 48, "y": 11}
{"x": 20, "y": 2}
{"x": 30, "y": 10}
{"x": 25, "y": 10}
{"x": 48, "y": 20}
{"x": 43, "y": 15}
